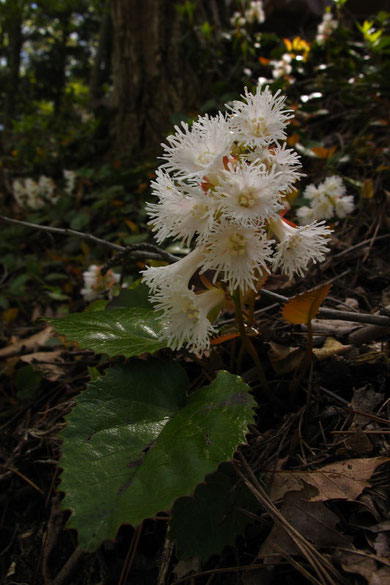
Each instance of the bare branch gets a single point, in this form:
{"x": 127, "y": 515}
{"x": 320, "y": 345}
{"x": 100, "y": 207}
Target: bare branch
{"x": 141, "y": 250}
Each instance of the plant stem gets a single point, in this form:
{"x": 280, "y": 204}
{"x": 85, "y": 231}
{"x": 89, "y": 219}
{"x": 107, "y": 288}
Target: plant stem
{"x": 248, "y": 345}
{"x": 304, "y": 366}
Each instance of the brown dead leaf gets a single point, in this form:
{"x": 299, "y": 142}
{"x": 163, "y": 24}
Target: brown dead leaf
{"x": 343, "y": 480}
{"x": 358, "y": 442}
{"x": 313, "y": 520}
{"x": 367, "y": 400}
{"x": 48, "y": 362}
{"x": 322, "y": 152}
{"x": 303, "y": 307}
{"x": 330, "y": 347}
{"x": 334, "y": 327}
{"x": 28, "y": 344}
{"x": 285, "y": 359}
{"x": 365, "y": 565}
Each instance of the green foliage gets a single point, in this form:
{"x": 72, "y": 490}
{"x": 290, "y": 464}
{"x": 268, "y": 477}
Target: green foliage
{"x": 117, "y": 332}
{"x": 200, "y": 529}
{"x": 129, "y": 452}
{"x": 27, "y": 381}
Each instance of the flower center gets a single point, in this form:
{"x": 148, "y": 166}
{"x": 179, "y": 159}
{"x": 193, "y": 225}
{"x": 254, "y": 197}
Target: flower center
{"x": 294, "y": 242}
{"x": 204, "y": 158}
{"x": 247, "y": 198}
{"x": 190, "y": 310}
{"x": 237, "y": 244}
{"x": 199, "y": 210}
{"x": 259, "y": 128}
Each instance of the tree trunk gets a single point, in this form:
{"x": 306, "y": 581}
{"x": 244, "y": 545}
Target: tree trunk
{"x": 102, "y": 63}
{"x": 153, "y": 75}
{"x": 13, "y": 28}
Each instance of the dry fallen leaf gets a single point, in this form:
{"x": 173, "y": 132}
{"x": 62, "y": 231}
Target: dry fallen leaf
{"x": 366, "y": 400}
{"x": 365, "y": 565}
{"x": 330, "y": 347}
{"x": 334, "y": 327}
{"x": 285, "y": 359}
{"x": 322, "y": 152}
{"x": 313, "y": 520}
{"x": 48, "y": 362}
{"x": 303, "y": 307}
{"x": 28, "y": 344}
{"x": 343, "y": 480}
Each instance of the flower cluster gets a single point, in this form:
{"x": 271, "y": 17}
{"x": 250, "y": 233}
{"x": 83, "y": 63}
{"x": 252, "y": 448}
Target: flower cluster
{"x": 37, "y": 194}
{"x": 221, "y": 187}
{"x": 253, "y": 14}
{"x": 281, "y": 67}
{"x": 96, "y": 284}
{"x": 325, "y": 28}
{"x": 328, "y": 200}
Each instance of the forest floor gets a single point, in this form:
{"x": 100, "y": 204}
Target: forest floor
{"x": 323, "y": 453}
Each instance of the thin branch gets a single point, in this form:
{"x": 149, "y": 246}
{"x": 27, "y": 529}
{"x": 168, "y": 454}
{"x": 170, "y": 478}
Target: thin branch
{"x": 360, "y": 245}
{"x": 153, "y": 252}
{"x": 334, "y": 314}
{"x": 135, "y": 250}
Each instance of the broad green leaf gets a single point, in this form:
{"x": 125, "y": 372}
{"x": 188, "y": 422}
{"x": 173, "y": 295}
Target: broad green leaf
{"x": 129, "y": 453}
{"x": 204, "y": 524}
{"x": 134, "y": 297}
{"x": 127, "y": 332}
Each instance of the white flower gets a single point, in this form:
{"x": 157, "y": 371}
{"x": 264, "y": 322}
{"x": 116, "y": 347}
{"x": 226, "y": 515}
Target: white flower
{"x": 333, "y": 186}
{"x": 322, "y": 207}
{"x": 46, "y": 186}
{"x": 285, "y": 162}
{"x": 326, "y": 201}
{"x": 197, "y": 152}
{"x": 95, "y": 284}
{"x": 182, "y": 211}
{"x": 70, "y": 181}
{"x": 249, "y": 194}
{"x": 312, "y": 192}
{"x": 238, "y": 19}
{"x": 185, "y": 320}
{"x": 305, "y": 215}
{"x": 298, "y": 246}
{"x": 344, "y": 206}
{"x": 282, "y": 66}
{"x": 34, "y": 201}
{"x": 255, "y": 12}
{"x": 19, "y": 191}
{"x": 261, "y": 118}
{"x": 326, "y": 27}
{"x": 181, "y": 271}
{"x": 238, "y": 255}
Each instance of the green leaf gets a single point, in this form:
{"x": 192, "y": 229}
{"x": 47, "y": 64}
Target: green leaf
{"x": 27, "y": 382}
{"x": 203, "y": 524}
{"x": 126, "y": 458}
{"x": 80, "y": 221}
{"x": 127, "y": 332}
{"x": 134, "y": 297}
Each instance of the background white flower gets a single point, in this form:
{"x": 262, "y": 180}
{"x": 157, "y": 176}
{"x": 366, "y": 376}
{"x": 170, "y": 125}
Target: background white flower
{"x": 96, "y": 284}
{"x": 327, "y": 200}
